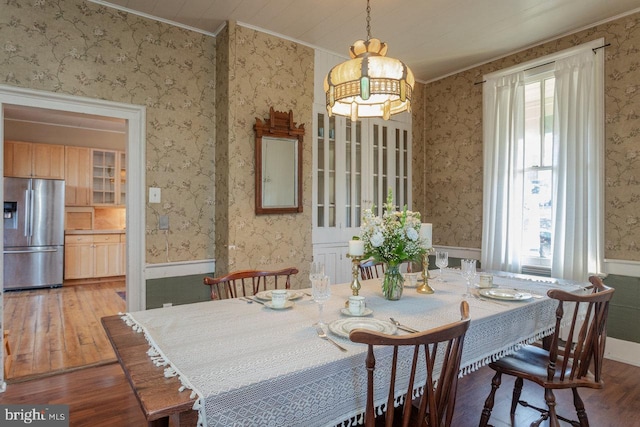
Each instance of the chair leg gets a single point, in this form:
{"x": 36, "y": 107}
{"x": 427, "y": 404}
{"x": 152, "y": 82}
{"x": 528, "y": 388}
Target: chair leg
{"x": 517, "y": 391}
{"x": 551, "y": 403}
{"x": 488, "y": 404}
{"x": 582, "y": 414}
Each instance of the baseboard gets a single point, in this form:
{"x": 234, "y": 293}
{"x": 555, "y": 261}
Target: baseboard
{"x": 178, "y": 269}
{"x": 623, "y": 351}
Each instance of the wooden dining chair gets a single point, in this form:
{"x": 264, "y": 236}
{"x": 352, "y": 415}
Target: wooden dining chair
{"x": 371, "y": 269}
{"x": 435, "y": 407}
{"x": 249, "y": 282}
{"x": 573, "y": 360}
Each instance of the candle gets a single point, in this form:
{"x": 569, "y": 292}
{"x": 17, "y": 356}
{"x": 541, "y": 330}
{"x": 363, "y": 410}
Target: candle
{"x": 425, "y": 234}
{"x": 356, "y": 247}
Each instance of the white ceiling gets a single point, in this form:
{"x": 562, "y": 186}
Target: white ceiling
{"x": 434, "y": 37}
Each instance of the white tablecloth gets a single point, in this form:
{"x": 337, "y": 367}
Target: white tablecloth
{"x": 252, "y": 366}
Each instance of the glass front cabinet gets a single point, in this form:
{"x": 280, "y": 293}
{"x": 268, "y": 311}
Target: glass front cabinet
{"x": 355, "y": 165}
{"x": 109, "y": 177}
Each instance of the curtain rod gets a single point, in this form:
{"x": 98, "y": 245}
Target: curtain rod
{"x": 551, "y": 62}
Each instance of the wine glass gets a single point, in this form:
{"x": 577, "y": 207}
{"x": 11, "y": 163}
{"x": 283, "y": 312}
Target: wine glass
{"x": 468, "y": 267}
{"x": 442, "y": 261}
{"x": 320, "y": 291}
{"x": 316, "y": 270}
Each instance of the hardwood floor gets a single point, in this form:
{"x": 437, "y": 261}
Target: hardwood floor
{"x": 101, "y": 396}
{"x": 53, "y": 330}
{"x": 616, "y": 405}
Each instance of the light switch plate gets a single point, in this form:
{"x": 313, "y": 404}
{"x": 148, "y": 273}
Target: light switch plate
{"x": 163, "y": 222}
{"x": 154, "y": 195}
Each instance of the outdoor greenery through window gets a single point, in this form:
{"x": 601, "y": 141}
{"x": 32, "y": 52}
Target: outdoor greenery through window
{"x": 537, "y": 170}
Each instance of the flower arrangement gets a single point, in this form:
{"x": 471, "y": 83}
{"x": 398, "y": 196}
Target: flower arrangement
{"x": 393, "y": 239}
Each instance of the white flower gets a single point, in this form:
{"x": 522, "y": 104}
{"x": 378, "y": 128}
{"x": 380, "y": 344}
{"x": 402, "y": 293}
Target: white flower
{"x": 412, "y": 234}
{"x": 377, "y": 239}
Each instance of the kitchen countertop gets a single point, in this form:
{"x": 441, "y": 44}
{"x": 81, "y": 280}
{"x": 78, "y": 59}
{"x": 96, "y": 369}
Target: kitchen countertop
{"x": 67, "y": 232}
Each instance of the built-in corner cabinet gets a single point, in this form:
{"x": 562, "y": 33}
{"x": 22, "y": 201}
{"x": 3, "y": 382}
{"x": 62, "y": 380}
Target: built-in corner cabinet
{"x": 108, "y": 177}
{"x": 94, "y": 255}
{"x": 355, "y": 164}
{"x": 32, "y": 160}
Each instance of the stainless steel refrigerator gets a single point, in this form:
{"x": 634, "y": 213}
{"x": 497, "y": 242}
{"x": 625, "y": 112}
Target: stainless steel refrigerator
{"x": 33, "y": 233}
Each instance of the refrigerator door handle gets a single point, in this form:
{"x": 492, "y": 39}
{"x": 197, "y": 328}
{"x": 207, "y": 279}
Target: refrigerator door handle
{"x": 32, "y": 197}
{"x": 28, "y": 251}
{"x": 27, "y": 213}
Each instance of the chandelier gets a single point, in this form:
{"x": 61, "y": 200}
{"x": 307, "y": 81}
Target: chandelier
{"x": 370, "y": 84}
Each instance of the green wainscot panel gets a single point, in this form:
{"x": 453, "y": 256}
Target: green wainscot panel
{"x": 176, "y": 290}
{"x": 624, "y": 310}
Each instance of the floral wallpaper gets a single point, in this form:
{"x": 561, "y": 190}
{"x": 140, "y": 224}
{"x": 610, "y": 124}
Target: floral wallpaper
{"x": 418, "y": 148}
{"x": 80, "y": 48}
{"x": 453, "y": 138}
{"x": 263, "y": 71}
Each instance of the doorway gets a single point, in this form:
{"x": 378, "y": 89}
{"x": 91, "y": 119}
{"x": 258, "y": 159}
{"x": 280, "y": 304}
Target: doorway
{"x": 134, "y": 116}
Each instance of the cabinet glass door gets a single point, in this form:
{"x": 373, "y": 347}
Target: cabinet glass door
{"x": 326, "y": 172}
{"x": 353, "y": 173}
{"x": 391, "y": 164}
{"x": 123, "y": 179}
{"x": 104, "y": 171}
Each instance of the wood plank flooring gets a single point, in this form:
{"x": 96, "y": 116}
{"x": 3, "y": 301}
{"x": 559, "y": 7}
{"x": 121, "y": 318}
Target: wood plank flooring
{"x": 53, "y": 330}
{"x": 101, "y": 396}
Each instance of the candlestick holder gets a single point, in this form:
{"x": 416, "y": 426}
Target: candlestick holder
{"x": 355, "y": 272}
{"x": 425, "y": 288}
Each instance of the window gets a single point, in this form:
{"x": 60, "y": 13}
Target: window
{"x": 537, "y": 170}
{"x": 543, "y": 158}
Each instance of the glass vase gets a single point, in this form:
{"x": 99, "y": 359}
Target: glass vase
{"x": 393, "y": 282}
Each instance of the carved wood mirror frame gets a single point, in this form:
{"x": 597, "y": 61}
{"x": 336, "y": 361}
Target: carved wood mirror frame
{"x": 278, "y": 182}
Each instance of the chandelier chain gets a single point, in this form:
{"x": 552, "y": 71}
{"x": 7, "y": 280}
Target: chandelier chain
{"x": 368, "y": 21}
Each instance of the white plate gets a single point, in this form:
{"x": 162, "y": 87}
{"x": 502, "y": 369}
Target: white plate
{"x": 342, "y": 327}
{"x": 287, "y": 304}
{"x": 346, "y": 312}
{"x": 266, "y": 295}
{"x": 505, "y": 294}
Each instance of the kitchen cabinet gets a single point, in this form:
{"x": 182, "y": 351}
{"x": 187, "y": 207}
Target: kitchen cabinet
{"x": 93, "y": 255}
{"x": 108, "y": 177}
{"x": 33, "y": 160}
{"x": 77, "y": 176}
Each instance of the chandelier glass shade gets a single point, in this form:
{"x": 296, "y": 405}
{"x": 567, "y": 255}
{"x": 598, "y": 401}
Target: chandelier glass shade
{"x": 370, "y": 84}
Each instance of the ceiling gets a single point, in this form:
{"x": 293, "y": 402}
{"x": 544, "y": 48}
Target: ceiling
{"x": 434, "y": 38}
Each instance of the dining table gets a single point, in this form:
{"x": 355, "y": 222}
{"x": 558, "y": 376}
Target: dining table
{"x": 244, "y": 363}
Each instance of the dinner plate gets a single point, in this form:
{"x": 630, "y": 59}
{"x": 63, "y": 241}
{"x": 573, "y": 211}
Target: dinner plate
{"x": 367, "y": 311}
{"x": 266, "y": 295}
{"x": 505, "y": 294}
{"x": 342, "y": 327}
{"x": 287, "y": 304}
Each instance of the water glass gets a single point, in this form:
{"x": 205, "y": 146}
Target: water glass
{"x": 442, "y": 261}
{"x": 316, "y": 270}
{"x": 468, "y": 268}
{"x": 321, "y": 292}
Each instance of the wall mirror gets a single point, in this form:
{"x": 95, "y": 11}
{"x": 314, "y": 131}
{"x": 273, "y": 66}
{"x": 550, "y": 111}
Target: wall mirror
{"x": 278, "y": 164}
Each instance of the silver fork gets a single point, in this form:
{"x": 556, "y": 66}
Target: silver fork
{"x": 488, "y": 300}
{"x": 322, "y": 334}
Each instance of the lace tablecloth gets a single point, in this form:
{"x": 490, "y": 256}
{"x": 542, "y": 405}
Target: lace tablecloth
{"x": 252, "y": 366}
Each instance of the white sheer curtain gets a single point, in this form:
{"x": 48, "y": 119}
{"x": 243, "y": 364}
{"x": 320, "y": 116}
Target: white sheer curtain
{"x": 578, "y": 158}
{"x": 503, "y": 110}
{"x": 578, "y": 163}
